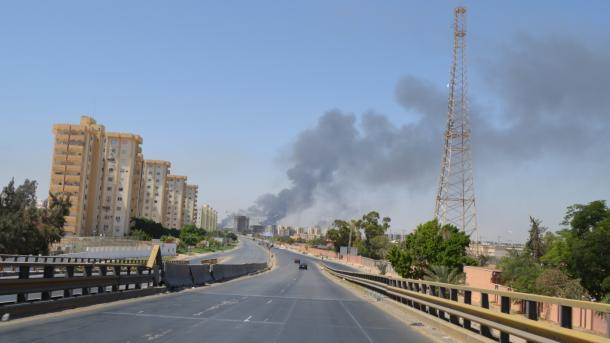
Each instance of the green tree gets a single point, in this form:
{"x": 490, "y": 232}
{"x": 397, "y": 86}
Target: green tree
{"x": 151, "y": 228}
{"x": 139, "y": 235}
{"x": 426, "y": 246}
{"x": 25, "y": 229}
{"x": 375, "y": 243}
{"x": 556, "y": 283}
{"x": 535, "y": 243}
{"x": 444, "y": 274}
{"x": 520, "y": 271}
{"x": 339, "y": 234}
{"x": 588, "y": 246}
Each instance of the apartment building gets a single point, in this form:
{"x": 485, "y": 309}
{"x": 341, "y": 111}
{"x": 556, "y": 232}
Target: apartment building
{"x": 208, "y": 218}
{"x": 76, "y": 171}
{"x": 152, "y": 203}
{"x": 176, "y": 192}
{"x": 121, "y": 175}
{"x": 190, "y": 204}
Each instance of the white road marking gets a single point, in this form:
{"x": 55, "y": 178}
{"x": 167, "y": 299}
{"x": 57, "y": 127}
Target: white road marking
{"x": 150, "y": 337}
{"x": 247, "y": 319}
{"x": 356, "y": 321}
{"x": 167, "y": 316}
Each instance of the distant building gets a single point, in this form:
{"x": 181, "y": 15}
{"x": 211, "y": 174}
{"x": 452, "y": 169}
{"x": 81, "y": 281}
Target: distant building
{"x": 153, "y": 190}
{"x": 77, "y": 172}
{"x": 208, "y": 218}
{"x": 176, "y": 191}
{"x": 257, "y": 228}
{"x": 241, "y": 224}
{"x": 190, "y": 204}
{"x": 120, "y": 170}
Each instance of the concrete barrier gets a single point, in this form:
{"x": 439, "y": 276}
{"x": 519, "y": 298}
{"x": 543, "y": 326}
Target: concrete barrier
{"x": 201, "y": 274}
{"x": 218, "y": 272}
{"x": 177, "y": 275}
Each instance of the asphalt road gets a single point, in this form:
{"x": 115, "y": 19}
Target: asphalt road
{"x": 247, "y": 252}
{"x": 284, "y": 305}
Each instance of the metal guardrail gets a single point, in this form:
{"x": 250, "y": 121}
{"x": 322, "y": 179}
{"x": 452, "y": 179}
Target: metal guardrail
{"x": 54, "y": 277}
{"x": 442, "y": 301}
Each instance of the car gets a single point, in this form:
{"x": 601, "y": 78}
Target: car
{"x": 297, "y": 260}
{"x": 303, "y": 266}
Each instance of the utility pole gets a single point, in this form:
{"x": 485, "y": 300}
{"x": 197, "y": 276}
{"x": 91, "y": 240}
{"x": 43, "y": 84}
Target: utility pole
{"x": 455, "y": 202}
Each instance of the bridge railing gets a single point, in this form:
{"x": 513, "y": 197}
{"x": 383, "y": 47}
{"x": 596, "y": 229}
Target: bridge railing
{"x": 453, "y": 303}
{"x": 29, "y": 279}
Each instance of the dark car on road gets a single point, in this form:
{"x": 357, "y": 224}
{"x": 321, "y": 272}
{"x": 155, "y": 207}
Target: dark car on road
{"x": 297, "y": 260}
{"x": 303, "y": 266}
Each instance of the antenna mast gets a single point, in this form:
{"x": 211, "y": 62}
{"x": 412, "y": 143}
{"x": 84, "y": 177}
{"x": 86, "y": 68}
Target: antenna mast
{"x": 455, "y": 202}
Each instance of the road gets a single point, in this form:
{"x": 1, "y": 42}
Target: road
{"x": 246, "y": 252}
{"x": 283, "y": 305}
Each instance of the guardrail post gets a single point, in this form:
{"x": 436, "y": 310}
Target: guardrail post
{"x": 88, "y": 272}
{"x": 485, "y": 331}
{"x": 505, "y": 308}
{"x": 139, "y": 272}
{"x": 103, "y": 272}
{"x": 24, "y": 273}
{"x": 117, "y": 275}
{"x": 453, "y": 295}
{"x": 468, "y": 301}
{"x": 48, "y": 272}
{"x": 69, "y": 274}
{"x": 565, "y": 316}
{"x": 433, "y": 292}
{"x": 443, "y": 294}
{"x": 532, "y": 310}
{"x": 156, "y": 279}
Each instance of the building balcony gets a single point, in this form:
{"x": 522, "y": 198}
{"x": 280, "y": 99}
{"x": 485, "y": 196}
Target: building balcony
{"x": 64, "y": 188}
{"x": 73, "y": 169}
{"x": 68, "y": 178}
{"x": 72, "y": 148}
{"x": 68, "y": 158}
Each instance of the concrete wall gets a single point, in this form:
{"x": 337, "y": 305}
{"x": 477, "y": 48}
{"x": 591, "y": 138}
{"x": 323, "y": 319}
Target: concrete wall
{"x": 167, "y": 249}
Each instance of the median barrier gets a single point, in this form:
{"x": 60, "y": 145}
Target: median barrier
{"x": 201, "y": 274}
{"x": 218, "y": 272}
{"x": 177, "y": 275}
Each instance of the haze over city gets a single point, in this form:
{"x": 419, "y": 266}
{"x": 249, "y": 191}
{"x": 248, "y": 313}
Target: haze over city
{"x": 239, "y": 98}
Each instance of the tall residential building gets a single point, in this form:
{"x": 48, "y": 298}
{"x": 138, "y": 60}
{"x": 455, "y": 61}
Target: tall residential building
{"x": 121, "y": 173}
{"x": 176, "y": 191}
{"x": 76, "y": 171}
{"x": 241, "y": 224}
{"x": 137, "y": 186}
{"x": 152, "y": 202}
{"x": 190, "y": 204}
{"x": 208, "y": 218}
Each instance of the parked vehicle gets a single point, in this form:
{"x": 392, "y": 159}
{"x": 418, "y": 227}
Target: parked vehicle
{"x": 303, "y": 266}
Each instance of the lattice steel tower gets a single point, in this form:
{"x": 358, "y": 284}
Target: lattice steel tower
{"x": 455, "y": 198}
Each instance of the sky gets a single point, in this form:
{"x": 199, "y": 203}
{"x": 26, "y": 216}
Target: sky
{"x": 307, "y": 111}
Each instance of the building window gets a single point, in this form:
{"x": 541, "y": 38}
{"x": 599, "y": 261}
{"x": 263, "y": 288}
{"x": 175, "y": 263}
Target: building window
{"x": 118, "y": 219}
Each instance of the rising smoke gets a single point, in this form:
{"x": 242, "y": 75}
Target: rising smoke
{"x": 553, "y": 96}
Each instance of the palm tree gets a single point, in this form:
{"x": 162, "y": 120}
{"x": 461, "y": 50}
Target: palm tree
{"x": 444, "y": 274}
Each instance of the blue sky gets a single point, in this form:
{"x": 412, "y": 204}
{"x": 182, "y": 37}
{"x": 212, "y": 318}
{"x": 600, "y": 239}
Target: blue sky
{"x": 223, "y": 88}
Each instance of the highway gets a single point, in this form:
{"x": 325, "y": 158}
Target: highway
{"x": 246, "y": 252}
{"x": 283, "y": 305}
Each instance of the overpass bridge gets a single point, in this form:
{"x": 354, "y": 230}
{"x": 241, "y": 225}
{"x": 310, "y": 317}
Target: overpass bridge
{"x": 285, "y": 304}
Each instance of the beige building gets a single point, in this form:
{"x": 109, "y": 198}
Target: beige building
{"x": 121, "y": 175}
{"x": 190, "y": 204}
{"x": 208, "y": 218}
{"x": 176, "y": 191}
{"x": 152, "y": 202}
{"x": 76, "y": 171}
